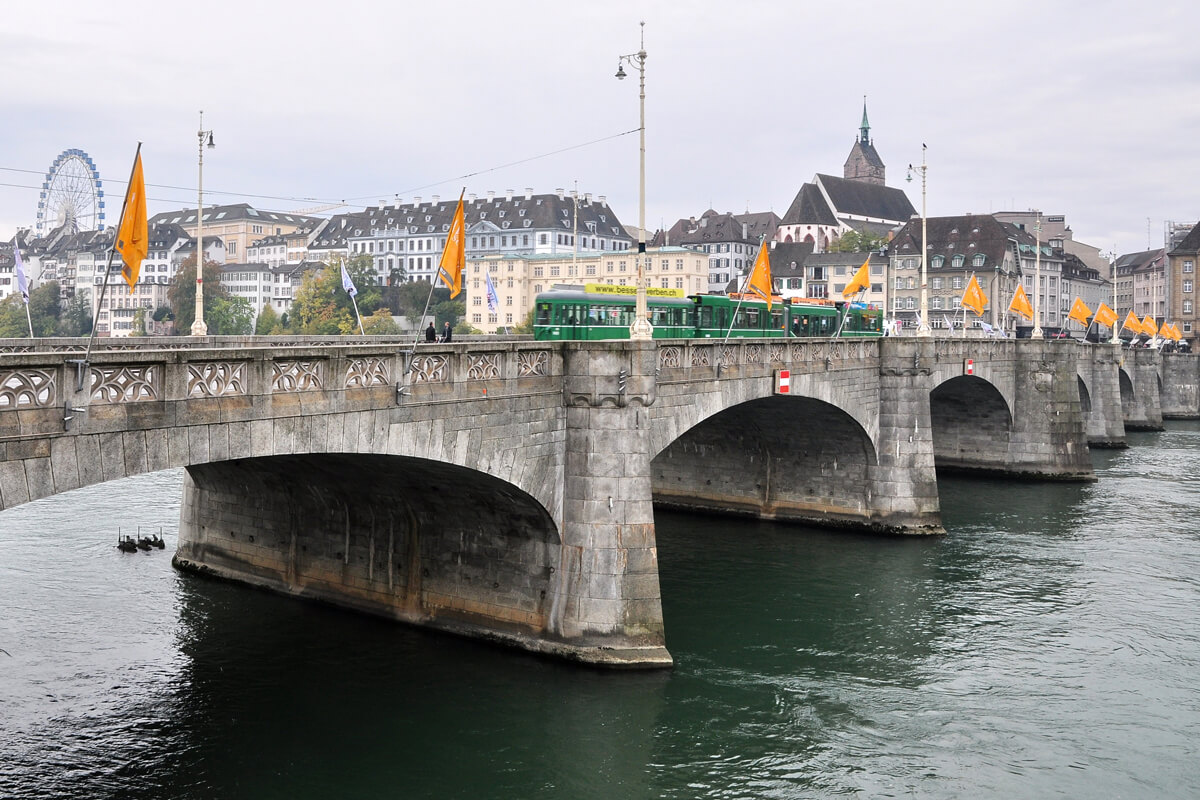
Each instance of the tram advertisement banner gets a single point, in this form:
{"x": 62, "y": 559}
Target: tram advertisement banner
{"x": 606, "y": 288}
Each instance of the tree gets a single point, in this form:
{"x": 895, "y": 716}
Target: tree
{"x": 44, "y": 312}
{"x": 853, "y": 241}
{"x": 229, "y": 316}
{"x": 76, "y": 318}
{"x": 322, "y": 306}
{"x": 267, "y": 323}
{"x": 414, "y": 295}
{"x": 448, "y": 311}
{"x": 138, "y": 326}
{"x": 380, "y": 324}
{"x": 525, "y": 325}
{"x": 181, "y": 294}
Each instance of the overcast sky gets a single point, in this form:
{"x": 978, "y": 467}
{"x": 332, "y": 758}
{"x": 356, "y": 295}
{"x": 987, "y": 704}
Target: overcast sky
{"x": 1088, "y": 109}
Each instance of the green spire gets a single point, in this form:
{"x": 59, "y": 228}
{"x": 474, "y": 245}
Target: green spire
{"x": 864, "y": 133}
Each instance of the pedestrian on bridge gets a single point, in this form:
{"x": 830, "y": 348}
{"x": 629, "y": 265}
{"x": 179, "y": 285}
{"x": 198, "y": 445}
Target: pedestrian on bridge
{"x": 447, "y": 333}
{"x": 431, "y": 333}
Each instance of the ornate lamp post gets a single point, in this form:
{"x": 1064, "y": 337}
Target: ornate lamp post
{"x": 1037, "y": 279}
{"x": 923, "y": 328}
{"x": 641, "y": 327}
{"x": 199, "y": 328}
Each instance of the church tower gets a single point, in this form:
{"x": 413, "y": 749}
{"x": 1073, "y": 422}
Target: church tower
{"x": 864, "y": 164}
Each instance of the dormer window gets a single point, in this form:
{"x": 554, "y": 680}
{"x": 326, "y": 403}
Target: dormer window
{"x": 521, "y": 212}
{"x": 936, "y": 262}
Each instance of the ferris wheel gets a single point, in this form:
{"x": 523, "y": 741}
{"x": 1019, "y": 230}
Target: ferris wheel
{"x": 71, "y": 195}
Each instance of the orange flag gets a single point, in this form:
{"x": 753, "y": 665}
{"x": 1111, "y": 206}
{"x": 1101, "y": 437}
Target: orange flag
{"x": 1080, "y": 313}
{"x": 1149, "y": 326}
{"x": 1020, "y": 303}
{"x": 860, "y": 282}
{"x": 760, "y": 277}
{"x": 454, "y": 256}
{"x": 1132, "y": 323}
{"x": 132, "y": 240}
{"x": 1105, "y": 315}
{"x": 974, "y": 298}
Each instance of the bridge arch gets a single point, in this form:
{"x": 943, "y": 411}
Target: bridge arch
{"x": 1085, "y": 397}
{"x": 972, "y": 424}
{"x": 1128, "y": 400}
{"x": 776, "y": 457}
{"x": 411, "y": 538}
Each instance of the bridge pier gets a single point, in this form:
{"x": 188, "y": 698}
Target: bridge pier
{"x": 1180, "y": 386}
{"x": 1140, "y": 390}
{"x": 1100, "y": 395}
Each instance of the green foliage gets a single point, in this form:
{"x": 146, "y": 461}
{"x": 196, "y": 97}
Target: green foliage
{"x": 268, "y": 323}
{"x": 448, "y": 311}
{"x": 465, "y": 327}
{"x": 44, "y": 311}
{"x": 76, "y": 319}
{"x": 181, "y": 294}
{"x": 381, "y": 324}
{"x": 525, "y": 325}
{"x": 229, "y": 316}
{"x": 322, "y": 306}
{"x": 137, "y": 326}
{"x": 161, "y": 313}
{"x": 411, "y": 299}
{"x": 858, "y": 242}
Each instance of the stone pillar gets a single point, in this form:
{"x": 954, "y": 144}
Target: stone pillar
{"x": 1105, "y": 423}
{"x": 607, "y": 593}
{"x": 1049, "y": 438}
{"x": 1140, "y": 398}
{"x": 903, "y": 484}
{"x": 1180, "y": 386}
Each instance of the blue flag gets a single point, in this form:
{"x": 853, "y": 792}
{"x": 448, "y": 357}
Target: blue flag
{"x": 22, "y": 284}
{"x": 493, "y": 299}
{"x": 348, "y": 284}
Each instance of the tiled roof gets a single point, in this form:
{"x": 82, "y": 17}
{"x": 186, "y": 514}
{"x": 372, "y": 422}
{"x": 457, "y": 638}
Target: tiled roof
{"x": 966, "y": 235}
{"x": 1190, "y": 243}
{"x": 809, "y": 208}
{"x": 866, "y": 199}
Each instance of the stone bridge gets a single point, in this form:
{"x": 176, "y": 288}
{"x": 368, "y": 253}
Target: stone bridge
{"x": 505, "y": 489}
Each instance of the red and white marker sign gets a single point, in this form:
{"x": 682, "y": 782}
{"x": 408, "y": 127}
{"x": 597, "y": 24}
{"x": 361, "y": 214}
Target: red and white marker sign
{"x": 969, "y": 366}
{"x": 783, "y": 381}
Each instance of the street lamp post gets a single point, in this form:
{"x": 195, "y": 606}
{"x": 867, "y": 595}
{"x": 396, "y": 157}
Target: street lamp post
{"x": 1037, "y": 278}
{"x": 641, "y": 327}
{"x": 199, "y": 328}
{"x": 923, "y": 328}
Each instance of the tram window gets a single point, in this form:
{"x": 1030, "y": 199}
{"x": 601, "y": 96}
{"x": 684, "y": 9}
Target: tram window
{"x": 543, "y": 314}
{"x": 706, "y": 317}
{"x": 751, "y": 320}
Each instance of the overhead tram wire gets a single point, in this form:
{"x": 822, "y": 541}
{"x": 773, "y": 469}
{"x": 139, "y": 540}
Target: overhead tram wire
{"x": 345, "y": 201}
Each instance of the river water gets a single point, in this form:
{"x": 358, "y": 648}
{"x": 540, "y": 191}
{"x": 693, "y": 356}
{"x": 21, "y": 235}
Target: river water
{"x": 1049, "y": 645}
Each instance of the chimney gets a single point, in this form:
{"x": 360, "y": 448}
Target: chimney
{"x": 528, "y": 192}
{"x": 601, "y": 200}
{"x": 382, "y": 205}
{"x": 436, "y": 199}
{"x": 396, "y": 205}
{"x": 471, "y": 198}
{"x": 745, "y": 231}
{"x": 491, "y": 197}
{"x": 561, "y": 194}
{"x": 587, "y": 198}
{"x": 416, "y": 202}
{"x": 508, "y": 193}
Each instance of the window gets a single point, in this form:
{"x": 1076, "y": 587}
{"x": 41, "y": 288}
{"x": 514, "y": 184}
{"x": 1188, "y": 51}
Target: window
{"x": 937, "y": 283}
{"x": 958, "y": 261}
{"x": 1187, "y": 306}
{"x": 935, "y": 302}
{"x": 1187, "y": 286}
{"x": 911, "y": 303}
{"x": 899, "y": 282}
{"x": 978, "y": 260}
{"x": 936, "y": 262}
{"x": 543, "y": 238}
{"x": 231, "y": 248}
{"x": 1187, "y": 266}
{"x": 956, "y": 282}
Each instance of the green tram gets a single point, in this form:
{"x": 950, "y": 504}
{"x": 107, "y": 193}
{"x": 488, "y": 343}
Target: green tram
{"x": 573, "y": 314}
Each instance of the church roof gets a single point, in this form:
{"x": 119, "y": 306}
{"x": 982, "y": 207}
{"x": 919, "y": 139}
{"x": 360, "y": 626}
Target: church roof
{"x": 866, "y": 199}
{"x": 870, "y": 155}
{"x": 809, "y": 207}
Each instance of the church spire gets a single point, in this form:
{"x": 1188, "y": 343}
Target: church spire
{"x": 864, "y": 131}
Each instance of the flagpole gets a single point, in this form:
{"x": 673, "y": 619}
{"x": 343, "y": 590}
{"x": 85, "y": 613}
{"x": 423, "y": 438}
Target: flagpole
{"x": 108, "y": 266}
{"x": 28, "y": 318}
{"x": 357, "y": 316}
{"x": 738, "y": 307}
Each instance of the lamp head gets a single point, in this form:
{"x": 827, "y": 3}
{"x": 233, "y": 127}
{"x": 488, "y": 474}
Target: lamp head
{"x": 209, "y": 141}
{"x": 620, "y": 72}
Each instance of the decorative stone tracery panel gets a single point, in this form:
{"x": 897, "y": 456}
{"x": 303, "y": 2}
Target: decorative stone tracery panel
{"x": 483, "y": 366}
{"x": 778, "y": 352}
{"x": 533, "y": 362}
{"x": 430, "y": 369}
{"x": 216, "y": 378}
{"x": 125, "y": 384}
{"x": 297, "y": 375}
{"x": 668, "y": 357}
{"x": 753, "y": 353}
{"x": 702, "y": 356}
{"x": 368, "y": 371}
{"x": 26, "y": 388}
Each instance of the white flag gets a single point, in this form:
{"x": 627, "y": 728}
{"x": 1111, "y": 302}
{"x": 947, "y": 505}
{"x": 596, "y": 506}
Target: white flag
{"x": 493, "y": 299}
{"x": 348, "y": 284}
{"x": 22, "y": 283}
{"x": 949, "y": 322}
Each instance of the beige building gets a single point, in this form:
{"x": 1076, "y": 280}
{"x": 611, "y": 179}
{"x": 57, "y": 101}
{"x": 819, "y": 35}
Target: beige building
{"x": 519, "y": 278}
{"x": 238, "y": 226}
